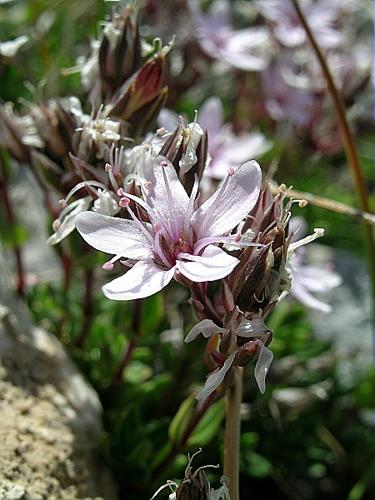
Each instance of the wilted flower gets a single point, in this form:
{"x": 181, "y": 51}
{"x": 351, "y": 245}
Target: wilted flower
{"x": 241, "y": 341}
{"x": 178, "y": 238}
{"x": 246, "y": 49}
{"x": 195, "y": 485}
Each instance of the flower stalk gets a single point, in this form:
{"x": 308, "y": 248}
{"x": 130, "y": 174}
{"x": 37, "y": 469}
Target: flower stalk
{"x": 233, "y": 434}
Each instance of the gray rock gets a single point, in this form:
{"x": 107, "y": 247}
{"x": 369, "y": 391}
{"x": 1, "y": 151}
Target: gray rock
{"x": 50, "y": 418}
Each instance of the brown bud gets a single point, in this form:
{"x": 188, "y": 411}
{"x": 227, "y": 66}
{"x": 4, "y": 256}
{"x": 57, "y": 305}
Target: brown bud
{"x": 142, "y": 89}
{"x": 119, "y": 51}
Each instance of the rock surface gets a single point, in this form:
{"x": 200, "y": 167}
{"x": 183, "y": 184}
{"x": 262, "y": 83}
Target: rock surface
{"x": 50, "y": 418}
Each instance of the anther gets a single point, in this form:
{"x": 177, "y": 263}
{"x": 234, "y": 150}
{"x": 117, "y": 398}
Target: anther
{"x": 108, "y": 167}
{"x": 108, "y": 266}
{"x": 63, "y": 203}
{"x": 121, "y": 192}
{"x": 302, "y": 203}
{"x": 231, "y": 171}
{"x": 147, "y": 184}
{"x": 164, "y": 164}
{"x": 124, "y": 202}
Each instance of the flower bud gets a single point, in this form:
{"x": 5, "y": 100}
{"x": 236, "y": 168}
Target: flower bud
{"x": 119, "y": 51}
{"x": 261, "y": 276}
{"x": 186, "y": 149}
{"x": 140, "y": 98}
{"x": 17, "y": 134}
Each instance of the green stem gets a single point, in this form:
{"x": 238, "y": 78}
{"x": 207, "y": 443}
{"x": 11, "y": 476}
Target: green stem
{"x": 233, "y": 434}
{"x": 347, "y": 139}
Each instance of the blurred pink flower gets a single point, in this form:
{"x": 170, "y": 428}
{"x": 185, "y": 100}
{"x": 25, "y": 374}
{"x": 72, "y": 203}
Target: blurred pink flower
{"x": 246, "y": 49}
{"x": 307, "y": 280}
{"x": 283, "y": 100}
{"x": 321, "y": 16}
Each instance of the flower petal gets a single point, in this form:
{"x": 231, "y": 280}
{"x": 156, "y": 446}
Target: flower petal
{"x": 262, "y": 366}
{"x": 67, "y": 225}
{"x": 211, "y": 117}
{"x": 212, "y": 265}
{"x": 142, "y": 280}
{"x": 239, "y": 149}
{"x": 166, "y": 195}
{"x": 300, "y": 293}
{"x": 206, "y": 327}
{"x": 215, "y": 379}
{"x": 113, "y": 235}
{"x": 168, "y": 119}
{"x": 228, "y": 206}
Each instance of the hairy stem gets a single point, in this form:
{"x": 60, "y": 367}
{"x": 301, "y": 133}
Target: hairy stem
{"x": 347, "y": 139}
{"x": 233, "y": 434}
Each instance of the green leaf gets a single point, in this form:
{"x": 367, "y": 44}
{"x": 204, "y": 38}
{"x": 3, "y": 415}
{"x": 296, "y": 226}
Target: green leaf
{"x": 152, "y": 313}
{"x": 137, "y": 372}
{"x": 181, "y": 420}
{"x": 257, "y": 465}
{"x": 209, "y": 426}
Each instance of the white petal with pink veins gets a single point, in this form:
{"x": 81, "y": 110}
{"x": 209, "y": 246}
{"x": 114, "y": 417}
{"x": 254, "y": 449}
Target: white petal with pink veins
{"x": 228, "y": 206}
{"x": 166, "y": 195}
{"x": 115, "y": 236}
{"x": 142, "y": 280}
{"x": 212, "y": 265}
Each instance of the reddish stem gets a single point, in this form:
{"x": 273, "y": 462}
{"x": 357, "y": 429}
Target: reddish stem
{"x": 11, "y": 221}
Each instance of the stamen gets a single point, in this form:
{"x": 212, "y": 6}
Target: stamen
{"x": 175, "y": 233}
{"x": 84, "y": 184}
{"x": 108, "y": 168}
{"x": 108, "y": 266}
{"x": 137, "y": 221}
{"x": 159, "y": 251}
{"x": 190, "y": 207}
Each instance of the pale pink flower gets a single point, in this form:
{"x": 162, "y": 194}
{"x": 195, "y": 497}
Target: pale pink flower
{"x": 283, "y": 100}
{"x": 307, "y": 280}
{"x": 321, "y": 15}
{"x": 179, "y": 238}
{"x": 245, "y": 49}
